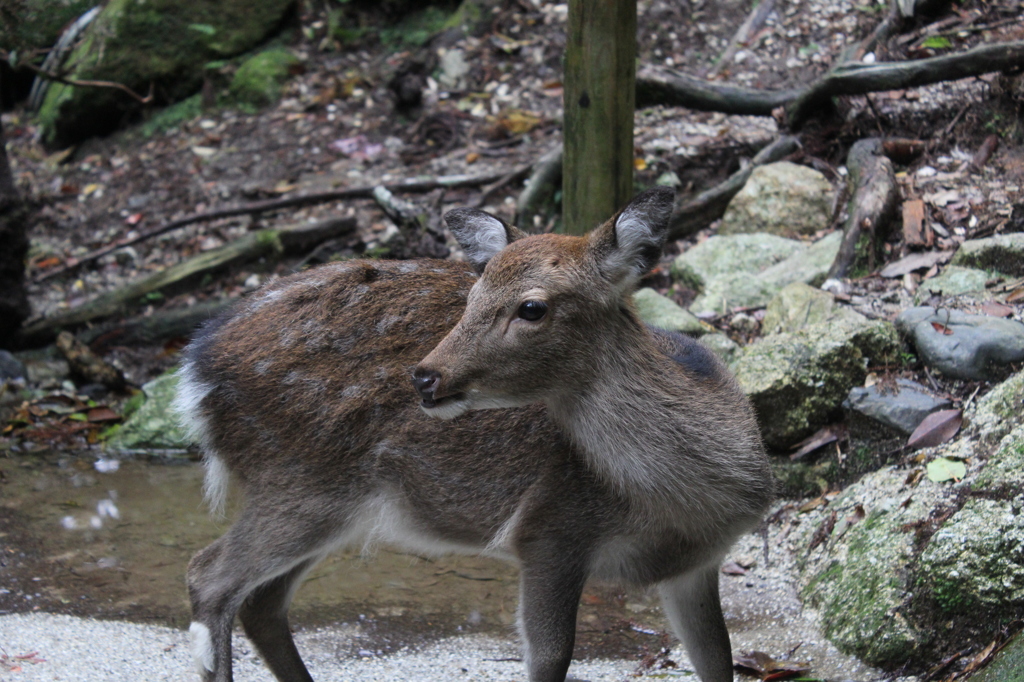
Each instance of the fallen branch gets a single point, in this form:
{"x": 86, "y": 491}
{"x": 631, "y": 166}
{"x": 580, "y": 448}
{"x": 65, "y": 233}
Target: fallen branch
{"x": 181, "y": 276}
{"x": 742, "y": 37}
{"x": 110, "y": 85}
{"x": 860, "y": 79}
{"x": 695, "y": 214}
{"x": 656, "y": 85}
{"x": 542, "y": 184}
{"x": 873, "y": 198}
{"x": 411, "y": 186}
{"x": 415, "y": 236}
{"x": 162, "y": 325}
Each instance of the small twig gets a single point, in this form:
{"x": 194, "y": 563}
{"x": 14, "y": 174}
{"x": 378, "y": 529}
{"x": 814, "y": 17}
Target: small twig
{"x": 416, "y": 186}
{"x": 504, "y": 181}
{"x": 878, "y": 116}
{"x": 750, "y": 26}
{"x": 6, "y": 56}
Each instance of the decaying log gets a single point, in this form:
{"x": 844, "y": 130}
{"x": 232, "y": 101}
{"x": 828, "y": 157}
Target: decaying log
{"x": 540, "y": 188}
{"x": 693, "y": 215}
{"x": 872, "y": 206}
{"x": 179, "y": 277}
{"x": 86, "y": 365}
{"x": 161, "y": 326}
{"x": 408, "y": 186}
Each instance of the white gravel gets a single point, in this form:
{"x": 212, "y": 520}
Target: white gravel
{"x": 77, "y": 649}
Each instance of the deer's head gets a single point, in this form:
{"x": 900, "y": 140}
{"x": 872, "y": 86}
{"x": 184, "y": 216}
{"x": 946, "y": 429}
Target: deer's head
{"x": 541, "y": 307}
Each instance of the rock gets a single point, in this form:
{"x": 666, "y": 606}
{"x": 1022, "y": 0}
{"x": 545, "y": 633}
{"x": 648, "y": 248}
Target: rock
{"x": 11, "y": 367}
{"x": 659, "y": 311}
{"x": 953, "y": 281}
{"x": 1001, "y": 409}
{"x": 797, "y": 381}
{"x": 902, "y": 410}
{"x": 1003, "y": 253}
{"x": 781, "y": 198}
{"x": 721, "y": 345}
{"x": 799, "y": 305}
{"x": 752, "y": 289}
{"x": 976, "y": 347}
{"x": 1004, "y": 470}
{"x": 740, "y": 253}
{"x": 163, "y": 42}
{"x": 860, "y": 577}
{"x": 744, "y": 323}
{"x": 454, "y": 70}
{"x": 259, "y": 79}
{"x": 45, "y": 368}
{"x": 153, "y": 426}
{"x": 1007, "y": 666}
{"x": 974, "y": 564}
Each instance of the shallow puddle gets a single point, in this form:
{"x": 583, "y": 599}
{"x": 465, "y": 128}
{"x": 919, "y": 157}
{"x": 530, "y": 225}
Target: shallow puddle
{"x": 111, "y": 539}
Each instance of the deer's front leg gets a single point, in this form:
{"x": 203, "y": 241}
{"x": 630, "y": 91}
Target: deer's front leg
{"x": 692, "y": 605}
{"x": 551, "y": 584}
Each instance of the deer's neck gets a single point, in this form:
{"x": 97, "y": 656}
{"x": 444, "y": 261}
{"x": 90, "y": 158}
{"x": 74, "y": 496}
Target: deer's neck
{"x": 650, "y": 434}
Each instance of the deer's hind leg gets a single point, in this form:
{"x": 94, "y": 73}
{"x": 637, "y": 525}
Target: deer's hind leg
{"x": 254, "y": 569}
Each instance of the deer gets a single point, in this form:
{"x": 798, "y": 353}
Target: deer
{"x": 546, "y": 425}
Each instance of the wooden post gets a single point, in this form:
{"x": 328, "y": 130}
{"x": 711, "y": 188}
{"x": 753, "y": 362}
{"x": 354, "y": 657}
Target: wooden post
{"x": 600, "y": 96}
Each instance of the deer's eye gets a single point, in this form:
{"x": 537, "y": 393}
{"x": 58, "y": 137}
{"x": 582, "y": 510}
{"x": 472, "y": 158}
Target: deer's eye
{"x": 531, "y": 311}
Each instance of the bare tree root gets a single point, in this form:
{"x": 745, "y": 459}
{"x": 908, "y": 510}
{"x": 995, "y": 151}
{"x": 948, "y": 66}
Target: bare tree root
{"x": 874, "y": 196}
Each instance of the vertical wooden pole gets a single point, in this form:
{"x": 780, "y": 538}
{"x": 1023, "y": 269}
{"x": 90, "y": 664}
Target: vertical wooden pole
{"x": 600, "y": 98}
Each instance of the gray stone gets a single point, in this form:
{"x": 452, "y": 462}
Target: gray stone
{"x": 974, "y": 564}
{"x": 781, "y": 198}
{"x": 1004, "y": 469}
{"x": 1001, "y": 409}
{"x": 721, "y": 345}
{"x": 1003, "y": 253}
{"x": 747, "y": 289}
{"x": 664, "y": 313}
{"x": 977, "y": 342}
{"x": 153, "y": 426}
{"x": 11, "y": 367}
{"x": 797, "y": 381}
{"x": 902, "y": 410}
{"x": 953, "y": 281}
{"x": 454, "y": 70}
{"x": 741, "y": 253}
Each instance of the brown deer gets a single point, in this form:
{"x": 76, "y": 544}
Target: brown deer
{"x": 573, "y": 440}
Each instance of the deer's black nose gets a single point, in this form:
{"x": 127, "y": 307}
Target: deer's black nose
{"x": 426, "y": 382}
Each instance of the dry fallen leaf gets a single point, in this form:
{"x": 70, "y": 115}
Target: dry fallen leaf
{"x": 733, "y": 568}
{"x": 996, "y": 309}
{"x": 824, "y": 436}
{"x": 941, "y": 328}
{"x": 937, "y": 428}
{"x": 768, "y": 668}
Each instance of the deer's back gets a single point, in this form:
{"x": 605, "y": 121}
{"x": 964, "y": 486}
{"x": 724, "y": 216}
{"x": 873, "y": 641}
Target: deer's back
{"x": 307, "y": 385}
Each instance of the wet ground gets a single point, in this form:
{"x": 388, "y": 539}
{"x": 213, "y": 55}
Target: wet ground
{"x": 88, "y": 536}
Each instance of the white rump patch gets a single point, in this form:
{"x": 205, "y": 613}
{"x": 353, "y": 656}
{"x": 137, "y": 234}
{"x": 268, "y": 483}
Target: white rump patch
{"x": 202, "y": 647}
{"x": 186, "y": 405}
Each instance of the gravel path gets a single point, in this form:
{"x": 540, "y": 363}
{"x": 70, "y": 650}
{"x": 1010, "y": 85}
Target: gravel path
{"x": 77, "y": 649}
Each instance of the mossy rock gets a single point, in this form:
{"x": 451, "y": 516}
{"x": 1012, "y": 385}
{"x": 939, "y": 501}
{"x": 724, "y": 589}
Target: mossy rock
{"x": 153, "y": 425}
{"x": 41, "y": 22}
{"x": 974, "y": 565}
{"x": 733, "y": 254}
{"x": 802, "y": 479}
{"x": 1001, "y": 409}
{"x": 1003, "y": 253}
{"x": 781, "y": 198}
{"x": 260, "y": 78}
{"x": 664, "y": 313}
{"x": 797, "y": 381}
{"x": 953, "y": 281}
{"x": 142, "y": 42}
{"x": 860, "y": 579}
{"x": 1004, "y": 470}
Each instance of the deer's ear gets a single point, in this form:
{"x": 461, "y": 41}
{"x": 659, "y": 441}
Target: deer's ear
{"x": 480, "y": 234}
{"x": 629, "y": 245}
